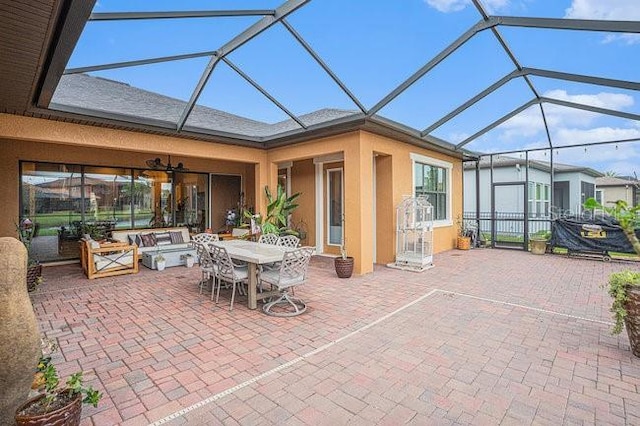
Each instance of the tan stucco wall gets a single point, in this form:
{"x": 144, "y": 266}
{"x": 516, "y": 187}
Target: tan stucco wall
{"x": 394, "y": 181}
{"x": 30, "y": 139}
{"x": 402, "y": 175}
{"x": 303, "y": 181}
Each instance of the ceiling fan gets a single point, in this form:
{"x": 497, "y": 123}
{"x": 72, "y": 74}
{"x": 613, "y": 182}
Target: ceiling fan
{"x": 157, "y": 164}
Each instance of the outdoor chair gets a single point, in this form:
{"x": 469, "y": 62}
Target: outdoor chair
{"x": 207, "y": 266}
{"x": 288, "y": 241}
{"x": 227, "y": 272}
{"x": 108, "y": 259}
{"x": 292, "y": 273}
{"x": 204, "y": 238}
{"x": 268, "y": 239}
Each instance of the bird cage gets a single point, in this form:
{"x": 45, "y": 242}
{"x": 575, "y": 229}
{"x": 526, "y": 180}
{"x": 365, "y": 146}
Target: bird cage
{"x": 414, "y": 239}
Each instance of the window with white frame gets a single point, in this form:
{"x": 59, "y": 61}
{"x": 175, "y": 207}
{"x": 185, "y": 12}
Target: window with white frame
{"x": 539, "y": 199}
{"x": 432, "y": 178}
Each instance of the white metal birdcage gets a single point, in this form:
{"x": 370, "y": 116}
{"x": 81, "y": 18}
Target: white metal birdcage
{"x": 414, "y": 239}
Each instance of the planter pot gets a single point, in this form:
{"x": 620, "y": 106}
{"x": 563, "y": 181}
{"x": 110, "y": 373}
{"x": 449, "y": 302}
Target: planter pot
{"x": 69, "y": 415}
{"x": 632, "y": 320}
{"x": 464, "y": 243}
{"x": 344, "y": 267}
{"x": 34, "y": 273}
{"x": 538, "y": 246}
{"x": 160, "y": 265}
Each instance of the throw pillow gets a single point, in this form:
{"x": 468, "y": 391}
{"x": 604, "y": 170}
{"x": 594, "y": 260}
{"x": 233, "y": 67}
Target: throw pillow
{"x": 176, "y": 237}
{"x": 135, "y": 239}
{"x": 163, "y": 238}
{"x": 148, "y": 240}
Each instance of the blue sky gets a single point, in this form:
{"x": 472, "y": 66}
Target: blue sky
{"x": 373, "y": 45}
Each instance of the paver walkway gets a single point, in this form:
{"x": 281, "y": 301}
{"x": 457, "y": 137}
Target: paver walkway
{"x": 485, "y": 337}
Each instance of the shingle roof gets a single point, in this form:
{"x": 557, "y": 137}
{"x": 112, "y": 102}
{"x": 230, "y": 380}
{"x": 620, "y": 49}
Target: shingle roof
{"x": 506, "y": 161}
{"x": 113, "y": 97}
{"x": 616, "y": 181}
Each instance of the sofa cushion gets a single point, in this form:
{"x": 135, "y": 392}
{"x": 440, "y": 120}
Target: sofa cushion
{"x": 176, "y": 237}
{"x": 135, "y": 239}
{"x": 163, "y": 238}
{"x": 148, "y": 240}
{"x": 110, "y": 261}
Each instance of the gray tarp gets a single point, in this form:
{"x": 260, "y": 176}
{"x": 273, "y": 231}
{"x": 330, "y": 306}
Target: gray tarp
{"x": 599, "y": 234}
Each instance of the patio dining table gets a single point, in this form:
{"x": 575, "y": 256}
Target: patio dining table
{"x": 254, "y": 254}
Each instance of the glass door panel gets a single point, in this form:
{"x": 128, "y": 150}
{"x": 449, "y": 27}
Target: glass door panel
{"x": 335, "y": 207}
{"x": 191, "y": 191}
{"x": 52, "y": 199}
{"x": 107, "y": 194}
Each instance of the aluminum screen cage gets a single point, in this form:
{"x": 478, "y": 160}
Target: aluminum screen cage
{"x": 414, "y": 234}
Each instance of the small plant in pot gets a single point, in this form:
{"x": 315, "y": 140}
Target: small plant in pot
{"x": 343, "y": 264}
{"x": 188, "y": 259}
{"x": 539, "y": 242}
{"x": 56, "y": 405}
{"x": 161, "y": 262}
{"x": 624, "y": 287}
{"x": 463, "y": 241}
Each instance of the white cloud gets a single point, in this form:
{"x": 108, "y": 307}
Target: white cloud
{"x": 448, "y": 6}
{"x": 627, "y": 39}
{"x": 570, "y": 126}
{"x": 615, "y": 101}
{"x": 529, "y": 122}
{"x": 621, "y": 10}
{"x": 569, "y": 136}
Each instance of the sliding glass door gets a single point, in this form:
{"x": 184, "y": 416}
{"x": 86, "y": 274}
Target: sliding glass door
{"x": 67, "y": 201}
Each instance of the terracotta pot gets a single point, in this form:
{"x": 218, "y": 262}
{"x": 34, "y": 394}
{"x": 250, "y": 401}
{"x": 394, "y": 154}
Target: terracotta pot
{"x": 69, "y": 415}
{"x": 464, "y": 243}
{"x": 632, "y": 320}
{"x": 344, "y": 267}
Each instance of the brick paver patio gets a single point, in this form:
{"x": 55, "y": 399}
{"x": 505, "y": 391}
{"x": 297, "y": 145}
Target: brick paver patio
{"x": 485, "y": 337}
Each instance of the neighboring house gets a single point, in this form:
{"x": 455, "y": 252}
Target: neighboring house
{"x": 611, "y": 189}
{"x": 572, "y": 186}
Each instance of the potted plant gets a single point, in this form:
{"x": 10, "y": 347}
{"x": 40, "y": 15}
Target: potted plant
{"x": 463, "y": 242}
{"x": 624, "y": 287}
{"x": 161, "y": 262}
{"x": 55, "y": 405}
{"x": 26, "y": 232}
{"x": 539, "y": 242}
{"x": 343, "y": 264}
{"x": 189, "y": 260}
{"x": 279, "y": 208}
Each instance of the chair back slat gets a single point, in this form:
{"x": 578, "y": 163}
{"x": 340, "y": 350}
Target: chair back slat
{"x": 204, "y": 258}
{"x": 288, "y": 241}
{"x": 268, "y": 239}
{"x": 295, "y": 264}
{"x": 205, "y": 238}
{"x": 223, "y": 260}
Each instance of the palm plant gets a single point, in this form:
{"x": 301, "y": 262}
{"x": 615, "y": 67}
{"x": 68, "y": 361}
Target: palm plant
{"x": 276, "y": 221}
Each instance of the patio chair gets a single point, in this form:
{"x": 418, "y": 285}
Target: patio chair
{"x": 292, "y": 273}
{"x": 204, "y": 238}
{"x": 207, "y": 266}
{"x": 288, "y": 241}
{"x": 268, "y": 239}
{"x": 227, "y": 272}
